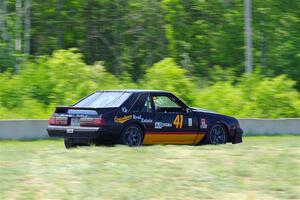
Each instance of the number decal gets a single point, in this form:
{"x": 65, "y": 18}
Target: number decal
{"x": 178, "y": 121}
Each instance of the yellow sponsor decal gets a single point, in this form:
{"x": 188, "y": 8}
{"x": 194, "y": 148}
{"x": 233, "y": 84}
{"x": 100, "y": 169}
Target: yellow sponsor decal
{"x": 122, "y": 119}
{"x": 178, "y": 121}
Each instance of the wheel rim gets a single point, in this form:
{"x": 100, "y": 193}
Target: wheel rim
{"x": 133, "y": 136}
{"x": 218, "y": 135}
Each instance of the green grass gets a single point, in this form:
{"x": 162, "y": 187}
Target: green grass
{"x": 259, "y": 168}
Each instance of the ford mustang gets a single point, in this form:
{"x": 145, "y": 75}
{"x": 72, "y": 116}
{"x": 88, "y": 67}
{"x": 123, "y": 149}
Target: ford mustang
{"x": 137, "y": 117}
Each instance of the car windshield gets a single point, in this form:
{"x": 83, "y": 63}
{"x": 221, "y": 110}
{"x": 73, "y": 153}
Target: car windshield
{"x": 104, "y": 99}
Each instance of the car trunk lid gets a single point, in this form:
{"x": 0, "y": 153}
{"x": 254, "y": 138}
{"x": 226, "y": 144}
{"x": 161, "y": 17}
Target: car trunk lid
{"x": 78, "y": 116}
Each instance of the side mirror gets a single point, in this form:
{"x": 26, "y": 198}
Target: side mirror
{"x": 188, "y": 110}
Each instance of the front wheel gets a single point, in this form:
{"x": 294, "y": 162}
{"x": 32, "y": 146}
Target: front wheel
{"x": 217, "y": 135}
{"x": 132, "y": 135}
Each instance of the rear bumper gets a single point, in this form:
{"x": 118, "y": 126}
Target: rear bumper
{"x": 237, "y": 138}
{"x": 74, "y": 132}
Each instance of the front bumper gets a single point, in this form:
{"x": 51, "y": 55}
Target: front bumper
{"x": 237, "y": 138}
{"x": 74, "y": 132}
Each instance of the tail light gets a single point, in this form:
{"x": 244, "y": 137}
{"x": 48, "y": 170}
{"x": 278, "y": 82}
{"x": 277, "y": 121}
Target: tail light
{"x": 92, "y": 121}
{"x": 58, "y": 121}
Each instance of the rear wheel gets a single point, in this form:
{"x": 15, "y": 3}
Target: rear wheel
{"x": 217, "y": 135}
{"x": 132, "y": 135}
{"x": 69, "y": 143}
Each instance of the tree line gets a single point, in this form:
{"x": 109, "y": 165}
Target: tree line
{"x": 56, "y": 51}
{"x": 131, "y": 35}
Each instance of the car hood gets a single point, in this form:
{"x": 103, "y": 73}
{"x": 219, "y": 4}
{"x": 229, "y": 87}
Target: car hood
{"x": 203, "y": 110}
{"x": 215, "y": 114}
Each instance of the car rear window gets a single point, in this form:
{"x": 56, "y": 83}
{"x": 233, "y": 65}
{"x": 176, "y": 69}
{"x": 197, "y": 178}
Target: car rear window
{"x": 104, "y": 100}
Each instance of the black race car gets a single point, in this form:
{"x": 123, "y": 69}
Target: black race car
{"x": 136, "y": 117}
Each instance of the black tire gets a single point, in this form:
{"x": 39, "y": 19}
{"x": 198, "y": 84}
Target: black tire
{"x": 69, "y": 143}
{"x": 217, "y": 134}
{"x": 132, "y": 135}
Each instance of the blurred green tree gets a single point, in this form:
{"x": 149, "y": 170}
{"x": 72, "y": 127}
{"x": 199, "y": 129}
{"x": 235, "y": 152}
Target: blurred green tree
{"x": 61, "y": 79}
{"x": 253, "y": 96}
{"x": 167, "y": 75}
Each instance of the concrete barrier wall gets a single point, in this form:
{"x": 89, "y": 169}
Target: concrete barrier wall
{"x": 270, "y": 126}
{"x": 36, "y": 129}
{"x": 23, "y": 129}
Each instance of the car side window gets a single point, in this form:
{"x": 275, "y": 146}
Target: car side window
{"x": 147, "y": 106}
{"x": 166, "y": 104}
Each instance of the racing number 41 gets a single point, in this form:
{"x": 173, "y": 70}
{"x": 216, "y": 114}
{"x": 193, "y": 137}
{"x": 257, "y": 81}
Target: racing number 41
{"x": 178, "y": 121}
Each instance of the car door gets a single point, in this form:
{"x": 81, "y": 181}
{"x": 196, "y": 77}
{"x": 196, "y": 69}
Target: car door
{"x": 142, "y": 112}
{"x": 172, "y": 124}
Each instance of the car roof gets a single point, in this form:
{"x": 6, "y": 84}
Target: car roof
{"x": 135, "y": 91}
